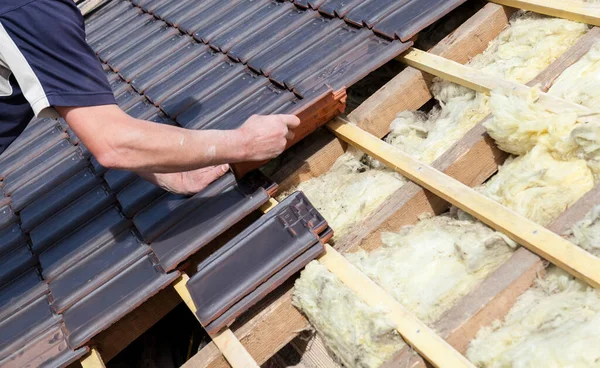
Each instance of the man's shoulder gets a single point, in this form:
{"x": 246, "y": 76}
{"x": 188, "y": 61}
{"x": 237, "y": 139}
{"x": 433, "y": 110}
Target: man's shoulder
{"x": 10, "y": 5}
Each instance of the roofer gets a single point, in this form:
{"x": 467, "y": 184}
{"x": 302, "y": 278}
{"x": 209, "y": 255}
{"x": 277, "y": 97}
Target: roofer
{"x": 46, "y": 67}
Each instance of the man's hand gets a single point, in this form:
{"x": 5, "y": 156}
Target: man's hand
{"x": 267, "y": 136}
{"x": 189, "y": 182}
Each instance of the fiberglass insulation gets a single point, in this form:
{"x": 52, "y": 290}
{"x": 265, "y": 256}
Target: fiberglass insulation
{"x": 586, "y": 233}
{"x": 557, "y": 322}
{"x": 427, "y": 268}
{"x": 554, "y": 324}
{"x": 559, "y": 154}
{"x": 347, "y": 192}
{"x": 430, "y": 266}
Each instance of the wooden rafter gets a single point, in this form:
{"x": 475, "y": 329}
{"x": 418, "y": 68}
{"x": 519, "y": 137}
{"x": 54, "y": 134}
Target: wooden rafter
{"x": 576, "y": 10}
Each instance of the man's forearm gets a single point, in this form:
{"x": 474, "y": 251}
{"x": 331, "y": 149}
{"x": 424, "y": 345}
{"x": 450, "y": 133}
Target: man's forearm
{"x": 122, "y": 142}
{"x": 160, "y": 148}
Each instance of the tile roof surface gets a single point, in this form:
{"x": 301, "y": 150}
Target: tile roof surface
{"x": 81, "y": 246}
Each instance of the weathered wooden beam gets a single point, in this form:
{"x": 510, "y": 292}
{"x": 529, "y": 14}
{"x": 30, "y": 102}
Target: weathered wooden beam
{"x": 576, "y": 10}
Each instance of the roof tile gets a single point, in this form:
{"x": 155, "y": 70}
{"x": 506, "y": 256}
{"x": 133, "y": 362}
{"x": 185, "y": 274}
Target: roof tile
{"x": 53, "y": 201}
{"x": 69, "y": 218}
{"x": 100, "y": 230}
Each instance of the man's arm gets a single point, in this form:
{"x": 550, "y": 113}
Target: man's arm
{"x": 121, "y": 142}
{"x": 176, "y": 159}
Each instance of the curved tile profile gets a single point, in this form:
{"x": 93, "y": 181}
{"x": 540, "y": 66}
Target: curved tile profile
{"x": 257, "y": 260}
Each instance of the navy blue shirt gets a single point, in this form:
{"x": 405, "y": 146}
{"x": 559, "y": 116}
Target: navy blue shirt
{"x": 45, "y": 61}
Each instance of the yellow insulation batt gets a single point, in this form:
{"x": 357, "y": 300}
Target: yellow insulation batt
{"x": 559, "y": 153}
{"x": 554, "y": 324}
{"x": 538, "y": 186}
{"x": 345, "y": 194}
{"x": 359, "y": 335}
{"x": 430, "y": 266}
{"x": 427, "y": 268}
{"x": 557, "y": 322}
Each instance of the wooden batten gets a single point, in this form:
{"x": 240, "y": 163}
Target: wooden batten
{"x": 472, "y": 160}
{"x": 275, "y": 322}
{"x": 577, "y": 10}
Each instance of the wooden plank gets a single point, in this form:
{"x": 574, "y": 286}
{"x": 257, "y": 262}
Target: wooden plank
{"x": 536, "y": 238}
{"x": 472, "y": 160}
{"x": 313, "y": 352}
{"x": 92, "y": 360}
{"x": 481, "y": 81}
{"x": 225, "y": 340}
{"x": 576, "y": 10}
{"x": 414, "y": 332}
{"x": 271, "y": 325}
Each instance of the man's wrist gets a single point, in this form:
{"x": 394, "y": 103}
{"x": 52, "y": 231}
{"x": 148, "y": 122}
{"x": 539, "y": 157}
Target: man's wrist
{"x": 241, "y": 146}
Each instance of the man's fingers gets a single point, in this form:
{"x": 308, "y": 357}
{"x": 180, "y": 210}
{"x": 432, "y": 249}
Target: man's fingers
{"x": 290, "y": 135}
{"x": 291, "y": 121}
